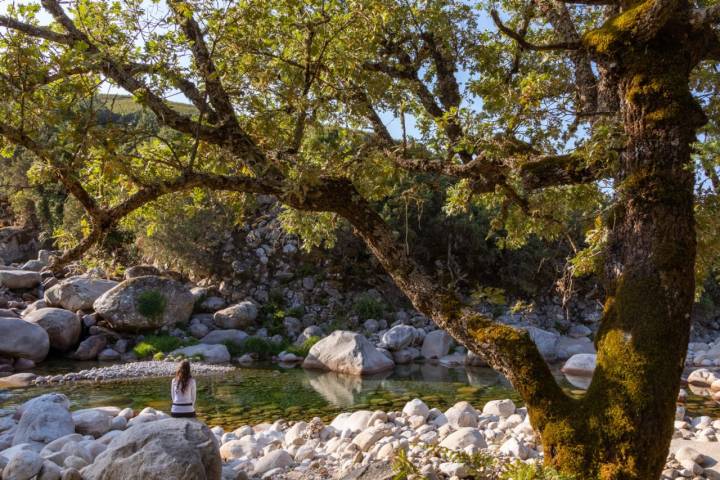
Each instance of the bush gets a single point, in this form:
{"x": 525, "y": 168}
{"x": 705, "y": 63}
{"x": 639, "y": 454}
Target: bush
{"x": 263, "y": 348}
{"x": 304, "y": 349}
{"x": 151, "y": 303}
{"x": 154, "y": 344}
{"x": 528, "y": 471}
{"x": 367, "y": 307}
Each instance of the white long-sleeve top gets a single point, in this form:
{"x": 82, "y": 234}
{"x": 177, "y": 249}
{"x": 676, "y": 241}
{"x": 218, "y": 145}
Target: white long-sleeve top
{"x": 183, "y": 402}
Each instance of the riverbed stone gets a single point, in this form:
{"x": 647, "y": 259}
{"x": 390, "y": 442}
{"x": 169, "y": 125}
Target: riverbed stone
{"x": 502, "y": 408}
{"x": 90, "y": 348}
{"x": 464, "y": 438}
{"x": 62, "y": 326}
{"x": 19, "y": 279}
{"x": 582, "y": 364}
{"x": 398, "y": 337}
{"x": 21, "y": 339}
{"x": 272, "y": 460}
{"x": 462, "y": 414}
{"x": 24, "y": 465}
{"x": 242, "y": 315}
{"x": 92, "y": 422}
{"x": 44, "y": 419}
{"x": 545, "y": 341}
{"x": 209, "y": 353}
{"x": 145, "y": 303}
{"x": 170, "y": 448}
{"x": 436, "y": 344}
{"x": 347, "y": 352}
{"x": 215, "y": 337}
{"x": 77, "y": 293}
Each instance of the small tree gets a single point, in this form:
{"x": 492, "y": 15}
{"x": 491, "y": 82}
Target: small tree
{"x": 291, "y": 99}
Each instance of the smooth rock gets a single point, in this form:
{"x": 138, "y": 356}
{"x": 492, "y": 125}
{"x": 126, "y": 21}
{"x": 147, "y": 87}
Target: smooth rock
{"x": 436, "y": 344}
{"x": 224, "y": 336}
{"x": 502, "y": 408}
{"x": 77, "y": 293}
{"x": 172, "y": 448}
{"x": 19, "y": 279}
{"x": 63, "y": 327}
{"x": 347, "y": 352}
{"x": 210, "y": 353}
{"x": 44, "y": 419}
{"x": 22, "y": 339}
{"x": 275, "y": 459}
{"x": 463, "y": 438}
{"x": 145, "y": 303}
{"x": 462, "y": 414}
{"x": 238, "y": 316}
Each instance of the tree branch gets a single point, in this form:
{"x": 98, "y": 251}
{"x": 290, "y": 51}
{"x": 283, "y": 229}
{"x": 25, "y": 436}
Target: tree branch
{"x": 219, "y": 98}
{"x": 531, "y": 46}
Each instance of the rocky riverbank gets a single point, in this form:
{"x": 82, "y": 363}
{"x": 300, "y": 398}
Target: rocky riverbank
{"x": 44, "y": 439}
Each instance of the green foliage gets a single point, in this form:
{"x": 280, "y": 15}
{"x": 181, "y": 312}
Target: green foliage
{"x": 529, "y": 471}
{"x": 263, "y": 348}
{"x": 153, "y": 345}
{"x": 480, "y": 466}
{"x": 366, "y": 306}
{"x": 151, "y": 304}
{"x": 304, "y": 349}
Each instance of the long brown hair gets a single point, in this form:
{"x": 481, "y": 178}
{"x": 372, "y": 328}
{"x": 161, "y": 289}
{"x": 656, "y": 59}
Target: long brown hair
{"x": 182, "y": 376}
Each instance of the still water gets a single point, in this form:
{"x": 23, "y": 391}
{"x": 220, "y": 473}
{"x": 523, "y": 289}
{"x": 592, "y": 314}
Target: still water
{"x": 265, "y": 393}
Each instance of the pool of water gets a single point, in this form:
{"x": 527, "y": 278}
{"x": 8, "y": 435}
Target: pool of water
{"x": 267, "y": 392}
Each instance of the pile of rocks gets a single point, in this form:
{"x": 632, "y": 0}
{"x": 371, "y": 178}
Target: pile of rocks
{"x": 43, "y": 439}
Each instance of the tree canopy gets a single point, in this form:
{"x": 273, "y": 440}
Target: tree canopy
{"x": 551, "y": 115}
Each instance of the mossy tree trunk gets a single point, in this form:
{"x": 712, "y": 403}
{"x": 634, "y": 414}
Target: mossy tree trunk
{"x": 622, "y": 427}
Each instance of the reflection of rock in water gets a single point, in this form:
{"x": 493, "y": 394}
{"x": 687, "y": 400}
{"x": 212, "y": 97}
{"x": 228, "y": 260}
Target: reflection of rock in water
{"x": 339, "y": 388}
{"x": 434, "y": 372}
{"x": 579, "y": 381}
{"x": 483, "y": 377}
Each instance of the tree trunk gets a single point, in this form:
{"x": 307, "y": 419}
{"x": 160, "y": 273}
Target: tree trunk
{"x": 622, "y": 427}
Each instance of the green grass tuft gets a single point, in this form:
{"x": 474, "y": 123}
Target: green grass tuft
{"x": 367, "y": 307}
{"x": 151, "y": 304}
{"x": 153, "y": 345}
{"x": 304, "y": 349}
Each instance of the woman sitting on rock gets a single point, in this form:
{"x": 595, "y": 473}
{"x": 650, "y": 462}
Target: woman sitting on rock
{"x": 183, "y": 392}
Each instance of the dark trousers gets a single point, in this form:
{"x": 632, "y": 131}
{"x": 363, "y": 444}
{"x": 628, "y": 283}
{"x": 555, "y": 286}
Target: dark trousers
{"x": 183, "y": 415}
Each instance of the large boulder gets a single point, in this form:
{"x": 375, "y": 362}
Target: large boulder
{"x": 19, "y": 279}
{"x": 436, "y": 344}
{"x": 347, "y": 352}
{"x": 242, "y": 315}
{"x": 209, "y": 353}
{"x": 44, "y": 419}
{"x": 21, "y": 339}
{"x": 92, "y": 421}
{"x": 399, "y": 337}
{"x": 236, "y": 337}
{"x": 77, "y": 293}
{"x": 145, "y": 303}
{"x": 63, "y": 327}
{"x": 170, "y": 448}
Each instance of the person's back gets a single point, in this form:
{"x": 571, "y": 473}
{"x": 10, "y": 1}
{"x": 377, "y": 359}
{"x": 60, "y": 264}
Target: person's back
{"x": 183, "y": 392}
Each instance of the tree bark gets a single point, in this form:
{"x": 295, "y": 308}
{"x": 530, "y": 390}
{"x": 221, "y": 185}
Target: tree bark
{"x": 622, "y": 427}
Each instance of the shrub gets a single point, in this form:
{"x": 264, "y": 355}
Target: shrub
{"x": 154, "y": 344}
{"x": 159, "y": 356}
{"x": 528, "y": 471}
{"x": 261, "y": 347}
{"x": 367, "y": 307}
{"x": 151, "y": 303}
{"x": 304, "y": 349}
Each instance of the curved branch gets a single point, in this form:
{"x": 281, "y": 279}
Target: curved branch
{"x": 572, "y": 45}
